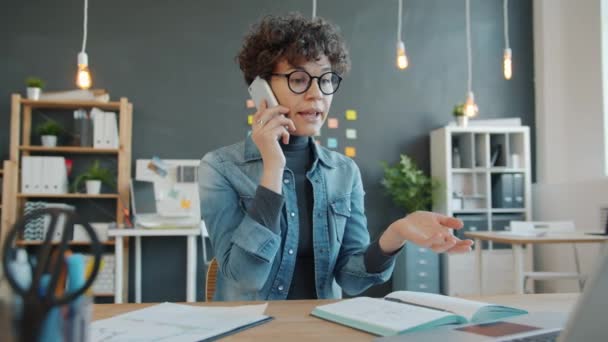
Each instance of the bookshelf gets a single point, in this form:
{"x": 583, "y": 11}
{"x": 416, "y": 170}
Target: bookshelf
{"x": 23, "y": 117}
{"x": 485, "y": 174}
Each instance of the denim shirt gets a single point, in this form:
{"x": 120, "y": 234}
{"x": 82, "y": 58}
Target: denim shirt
{"x": 257, "y": 264}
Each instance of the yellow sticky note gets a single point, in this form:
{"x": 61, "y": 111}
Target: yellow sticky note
{"x": 249, "y": 103}
{"x": 186, "y": 203}
{"x": 351, "y": 114}
{"x": 250, "y": 120}
{"x": 332, "y": 123}
{"x": 350, "y": 151}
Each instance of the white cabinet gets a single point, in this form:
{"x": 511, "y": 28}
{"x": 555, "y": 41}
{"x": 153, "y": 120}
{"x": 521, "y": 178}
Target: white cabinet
{"x": 485, "y": 175}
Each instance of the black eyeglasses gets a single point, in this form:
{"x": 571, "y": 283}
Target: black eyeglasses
{"x": 299, "y": 81}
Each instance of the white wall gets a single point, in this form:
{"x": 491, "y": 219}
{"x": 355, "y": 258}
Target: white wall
{"x": 571, "y": 182}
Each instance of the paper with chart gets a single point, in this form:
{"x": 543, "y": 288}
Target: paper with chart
{"x": 175, "y": 322}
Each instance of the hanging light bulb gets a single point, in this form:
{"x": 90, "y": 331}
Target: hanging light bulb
{"x": 470, "y": 107}
{"x": 83, "y": 77}
{"x": 402, "y": 61}
{"x": 507, "y": 64}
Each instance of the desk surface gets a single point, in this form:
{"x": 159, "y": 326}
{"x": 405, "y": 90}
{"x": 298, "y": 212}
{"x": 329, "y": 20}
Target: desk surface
{"x": 293, "y": 321}
{"x": 577, "y": 237}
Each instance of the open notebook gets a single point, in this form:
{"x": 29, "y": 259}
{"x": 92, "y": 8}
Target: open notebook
{"x": 406, "y": 311}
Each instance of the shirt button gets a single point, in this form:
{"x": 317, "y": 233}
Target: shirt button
{"x": 290, "y": 251}
{"x": 280, "y": 287}
{"x": 293, "y": 214}
{"x": 286, "y": 181}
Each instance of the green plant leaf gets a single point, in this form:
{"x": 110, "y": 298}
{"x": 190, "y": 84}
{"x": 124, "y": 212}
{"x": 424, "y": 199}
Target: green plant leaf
{"x": 95, "y": 172}
{"x": 408, "y": 186}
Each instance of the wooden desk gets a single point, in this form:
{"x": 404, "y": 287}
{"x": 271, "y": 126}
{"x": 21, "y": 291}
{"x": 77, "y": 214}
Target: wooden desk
{"x": 517, "y": 242}
{"x": 293, "y": 321}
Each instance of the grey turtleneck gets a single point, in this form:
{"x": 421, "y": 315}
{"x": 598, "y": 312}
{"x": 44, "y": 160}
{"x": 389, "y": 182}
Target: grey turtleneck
{"x": 266, "y": 209}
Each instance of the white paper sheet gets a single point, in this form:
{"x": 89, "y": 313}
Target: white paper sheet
{"x": 175, "y": 322}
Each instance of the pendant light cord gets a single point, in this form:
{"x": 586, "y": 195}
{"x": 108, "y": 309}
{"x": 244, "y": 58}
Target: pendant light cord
{"x": 314, "y": 9}
{"x": 506, "y": 21}
{"x": 469, "y": 59}
{"x": 399, "y": 12}
{"x": 85, "y": 23}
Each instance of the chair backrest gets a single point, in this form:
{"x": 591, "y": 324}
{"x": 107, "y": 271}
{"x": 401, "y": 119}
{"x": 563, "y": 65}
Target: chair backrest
{"x": 542, "y": 226}
{"x": 211, "y": 280}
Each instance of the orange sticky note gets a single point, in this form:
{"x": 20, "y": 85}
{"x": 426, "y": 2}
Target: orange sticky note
{"x": 350, "y": 151}
{"x": 250, "y": 120}
{"x": 186, "y": 203}
{"x": 249, "y": 103}
{"x": 332, "y": 123}
{"x": 351, "y": 114}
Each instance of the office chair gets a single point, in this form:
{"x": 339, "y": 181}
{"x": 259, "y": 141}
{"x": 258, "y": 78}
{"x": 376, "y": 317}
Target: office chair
{"x": 548, "y": 227}
{"x": 211, "y": 279}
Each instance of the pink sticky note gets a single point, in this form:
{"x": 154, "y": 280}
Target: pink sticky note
{"x": 332, "y": 123}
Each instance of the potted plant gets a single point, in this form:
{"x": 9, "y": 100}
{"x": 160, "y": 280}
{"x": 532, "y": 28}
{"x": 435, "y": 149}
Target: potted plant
{"x": 94, "y": 177}
{"x": 34, "y": 87}
{"x": 408, "y": 186}
{"x": 461, "y": 118}
{"x": 49, "y": 131}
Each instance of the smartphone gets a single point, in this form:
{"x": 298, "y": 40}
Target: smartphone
{"x": 260, "y": 90}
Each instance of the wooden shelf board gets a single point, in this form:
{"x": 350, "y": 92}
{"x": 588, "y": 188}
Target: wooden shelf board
{"x": 102, "y": 294}
{"x": 69, "y": 149}
{"x": 70, "y": 104}
{"x": 109, "y": 196}
{"x": 22, "y": 243}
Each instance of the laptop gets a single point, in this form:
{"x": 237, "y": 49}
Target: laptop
{"x": 145, "y": 212}
{"x": 587, "y": 322}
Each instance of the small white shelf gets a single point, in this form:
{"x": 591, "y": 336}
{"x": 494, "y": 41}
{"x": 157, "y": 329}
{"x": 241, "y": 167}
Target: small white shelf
{"x": 508, "y": 210}
{"x": 486, "y": 155}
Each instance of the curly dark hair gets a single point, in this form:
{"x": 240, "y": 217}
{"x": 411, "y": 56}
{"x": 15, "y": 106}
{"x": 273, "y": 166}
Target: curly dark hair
{"x": 294, "y": 37}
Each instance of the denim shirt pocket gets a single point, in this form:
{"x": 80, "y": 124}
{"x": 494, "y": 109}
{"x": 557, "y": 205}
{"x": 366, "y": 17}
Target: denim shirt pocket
{"x": 340, "y": 209}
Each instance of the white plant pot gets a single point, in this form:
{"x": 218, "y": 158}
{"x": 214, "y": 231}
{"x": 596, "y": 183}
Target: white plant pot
{"x": 49, "y": 140}
{"x": 462, "y": 121}
{"x": 93, "y": 187}
{"x": 33, "y": 93}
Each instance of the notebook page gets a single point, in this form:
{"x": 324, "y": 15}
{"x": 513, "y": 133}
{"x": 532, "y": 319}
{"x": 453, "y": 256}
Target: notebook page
{"x": 383, "y": 313}
{"x": 459, "y": 306}
{"x": 175, "y": 322}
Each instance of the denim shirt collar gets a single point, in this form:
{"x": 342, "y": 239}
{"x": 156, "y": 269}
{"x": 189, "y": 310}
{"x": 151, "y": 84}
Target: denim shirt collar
{"x": 251, "y": 153}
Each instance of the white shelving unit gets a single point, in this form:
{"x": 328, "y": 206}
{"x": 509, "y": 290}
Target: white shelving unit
{"x": 488, "y": 160}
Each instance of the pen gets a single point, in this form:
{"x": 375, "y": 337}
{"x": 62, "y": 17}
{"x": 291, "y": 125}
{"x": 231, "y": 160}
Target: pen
{"x": 416, "y": 304}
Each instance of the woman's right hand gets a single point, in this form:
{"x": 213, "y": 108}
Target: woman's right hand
{"x": 270, "y": 125}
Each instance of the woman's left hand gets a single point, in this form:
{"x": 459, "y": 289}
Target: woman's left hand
{"x": 426, "y": 229}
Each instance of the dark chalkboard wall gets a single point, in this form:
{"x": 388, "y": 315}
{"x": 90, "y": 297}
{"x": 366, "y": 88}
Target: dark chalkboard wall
{"x": 175, "y": 61}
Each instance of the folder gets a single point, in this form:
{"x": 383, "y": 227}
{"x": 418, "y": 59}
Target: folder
{"x": 518, "y": 190}
{"x": 110, "y": 130}
{"x": 502, "y": 190}
{"x": 27, "y": 170}
{"x": 98, "y": 127}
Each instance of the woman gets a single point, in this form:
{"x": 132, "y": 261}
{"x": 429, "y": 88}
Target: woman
{"x": 286, "y": 216}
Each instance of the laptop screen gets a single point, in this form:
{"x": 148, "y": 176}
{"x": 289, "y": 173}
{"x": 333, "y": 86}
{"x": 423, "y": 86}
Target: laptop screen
{"x": 142, "y": 194}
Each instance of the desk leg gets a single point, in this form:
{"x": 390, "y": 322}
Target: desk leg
{"x": 138, "y": 269}
{"x": 518, "y": 268}
{"x": 479, "y": 265}
{"x": 191, "y": 270}
{"x": 118, "y": 270}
